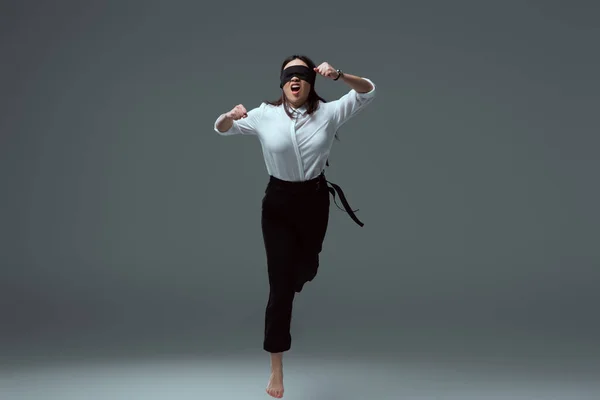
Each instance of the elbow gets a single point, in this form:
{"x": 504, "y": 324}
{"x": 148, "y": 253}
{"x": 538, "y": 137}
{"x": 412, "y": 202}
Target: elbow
{"x": 219, "y": 131}
{"x": 222, "y": 127}
{"x": 228, "y": 132}
{"x": 216, "y": 129}
{"x": 369, "y": 87}
{"x": 368, "y": 92}
{"x": 366, "y": 88}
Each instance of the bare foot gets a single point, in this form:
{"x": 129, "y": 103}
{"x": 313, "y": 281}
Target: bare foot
{"x": 275, "y": 386}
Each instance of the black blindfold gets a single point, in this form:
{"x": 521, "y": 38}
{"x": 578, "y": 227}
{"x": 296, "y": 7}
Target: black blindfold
{"x": 301, "y": 72}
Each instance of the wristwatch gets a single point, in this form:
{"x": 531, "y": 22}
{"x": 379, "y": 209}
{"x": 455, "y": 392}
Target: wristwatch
{"x": 340, "y": 74}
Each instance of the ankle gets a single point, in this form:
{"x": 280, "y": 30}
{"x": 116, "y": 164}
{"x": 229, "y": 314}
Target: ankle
{"x": 276, "y": 368}
{"x": 276, "y": 362}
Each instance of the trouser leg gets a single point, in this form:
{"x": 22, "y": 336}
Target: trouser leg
{"x": 293, "y": 232}
{"x": 278, "y": 318}
{"x": 280, "y": 243}
{"x": 312, "y": 234}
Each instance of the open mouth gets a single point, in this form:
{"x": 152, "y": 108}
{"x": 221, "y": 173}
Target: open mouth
{"x": 295, "y": 88}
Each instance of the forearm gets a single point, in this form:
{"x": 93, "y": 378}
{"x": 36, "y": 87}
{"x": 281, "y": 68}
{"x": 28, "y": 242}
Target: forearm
{"x": 357, "y": 83}
{"x": 224, "y": 123}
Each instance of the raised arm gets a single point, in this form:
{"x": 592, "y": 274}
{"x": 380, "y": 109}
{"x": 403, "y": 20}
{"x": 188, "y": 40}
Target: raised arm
{"x": 358, "y": 84}
{"x": 362, "y": 92}
{"x": 238, "y": 121}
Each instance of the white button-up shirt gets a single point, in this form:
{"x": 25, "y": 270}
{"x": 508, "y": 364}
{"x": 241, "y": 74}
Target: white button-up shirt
{"x": 297, "y": 149}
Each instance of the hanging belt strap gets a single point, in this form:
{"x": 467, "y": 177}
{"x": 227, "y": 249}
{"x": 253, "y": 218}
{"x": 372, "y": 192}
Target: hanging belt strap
{"x": 335, "y": 188}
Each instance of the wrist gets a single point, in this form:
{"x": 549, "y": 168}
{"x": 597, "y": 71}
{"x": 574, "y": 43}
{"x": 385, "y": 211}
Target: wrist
{"x": 340, "y": 74}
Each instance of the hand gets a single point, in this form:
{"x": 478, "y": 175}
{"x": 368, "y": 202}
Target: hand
{"x": 326, "y": 70}
{"x": 237, "y": 112}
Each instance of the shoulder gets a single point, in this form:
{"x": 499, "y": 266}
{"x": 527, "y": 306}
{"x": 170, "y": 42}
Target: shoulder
{"x": 269, "y": 110}
{"x": 267, "y": 106}
{"x": 268, "y": 113}
{"x": 258, "y": 111}
{"x": 326, "y": 107}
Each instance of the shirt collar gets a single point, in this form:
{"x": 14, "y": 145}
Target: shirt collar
{"x": 300, "y": 110}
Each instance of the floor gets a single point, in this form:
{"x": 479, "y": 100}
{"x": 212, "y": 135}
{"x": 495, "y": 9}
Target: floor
{"x": 245, "y": 377}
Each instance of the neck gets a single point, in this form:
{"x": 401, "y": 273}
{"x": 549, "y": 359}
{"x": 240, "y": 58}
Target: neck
{"x": 296, "y": 105}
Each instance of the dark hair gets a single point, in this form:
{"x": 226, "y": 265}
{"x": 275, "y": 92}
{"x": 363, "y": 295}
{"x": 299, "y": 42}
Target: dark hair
{"x": 312, "y": 102}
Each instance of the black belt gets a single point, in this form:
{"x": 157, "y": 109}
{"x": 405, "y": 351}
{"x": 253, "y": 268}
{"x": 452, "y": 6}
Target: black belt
{"x": 315, "y": 183}
{"x": 335, "y": 188}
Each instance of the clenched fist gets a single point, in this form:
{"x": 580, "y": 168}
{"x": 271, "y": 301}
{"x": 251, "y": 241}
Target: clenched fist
{"x": 237, "y": 112}
{"x": 326, "y": 70}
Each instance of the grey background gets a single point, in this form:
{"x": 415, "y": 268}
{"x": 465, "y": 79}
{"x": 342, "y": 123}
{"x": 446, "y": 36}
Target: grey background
{"x": 129, "y": 228}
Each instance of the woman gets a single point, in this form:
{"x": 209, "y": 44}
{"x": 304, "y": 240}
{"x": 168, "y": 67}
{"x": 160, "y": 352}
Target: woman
{"x": 296, "y": 133}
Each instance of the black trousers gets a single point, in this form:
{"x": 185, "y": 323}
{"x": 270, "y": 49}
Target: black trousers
{"x": 294, "y": 222}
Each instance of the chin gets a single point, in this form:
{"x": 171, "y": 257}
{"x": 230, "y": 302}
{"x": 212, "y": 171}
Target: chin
{"x": 296, "y": 99}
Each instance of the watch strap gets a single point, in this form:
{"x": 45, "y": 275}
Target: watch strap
{"x": 340, "y": 74}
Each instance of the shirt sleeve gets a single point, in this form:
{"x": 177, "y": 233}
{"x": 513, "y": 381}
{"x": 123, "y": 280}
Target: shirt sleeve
{"x": 244, "y": 126}
{"x": 351, "y": 103}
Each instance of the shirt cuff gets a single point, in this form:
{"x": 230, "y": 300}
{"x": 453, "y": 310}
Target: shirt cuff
{"x": 370, "y": 93}
{"x": 231, "y": 130}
